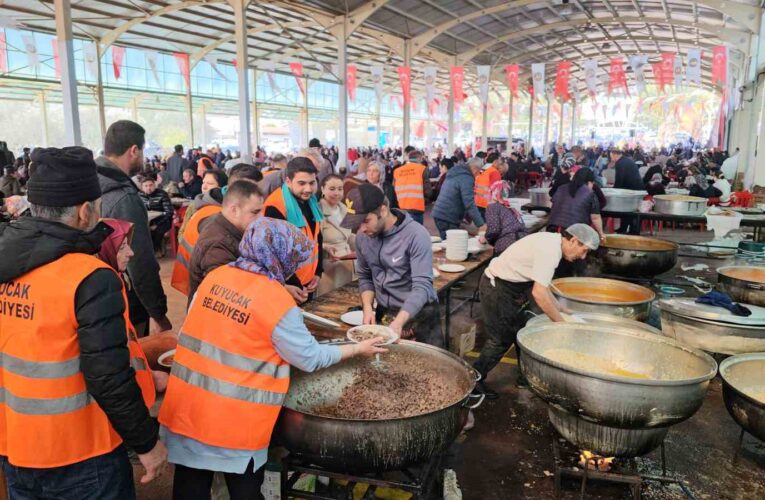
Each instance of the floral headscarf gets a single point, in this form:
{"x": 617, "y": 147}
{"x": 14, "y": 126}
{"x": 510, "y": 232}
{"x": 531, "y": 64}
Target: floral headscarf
{"x": 273, "y": 248}
{"x": 501, "y": 192}
{"x": 122, "y": 230}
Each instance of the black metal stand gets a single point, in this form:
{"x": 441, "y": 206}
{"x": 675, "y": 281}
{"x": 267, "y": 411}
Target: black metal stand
{"x": 421, "y": 481}
{"x": 628, "y": 475}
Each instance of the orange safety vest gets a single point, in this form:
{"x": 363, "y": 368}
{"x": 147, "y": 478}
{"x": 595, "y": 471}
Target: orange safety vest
{"x": 307, "y": 271}
{"x": 228, "y": 383}
{"x": 482, "y": 186}
{"x": 408, "y": 183}
{"x": 182, "y": 265}
{"x": 47, "y": 417}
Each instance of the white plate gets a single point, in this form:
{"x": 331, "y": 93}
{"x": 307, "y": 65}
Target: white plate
{"x": 451, "y": 268}
{"x": 318, "y": 320}
{"x": 384, "y": 331}
{"x": 437, "y": 247}
{"x": 353, "y": 318}
{"x": 161, "y": 360}
{"x": 436, "y": 274}
{"x": 435, "y": 239}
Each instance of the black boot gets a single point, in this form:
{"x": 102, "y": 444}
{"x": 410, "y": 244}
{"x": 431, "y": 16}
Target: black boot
{"x": 482, "y": 388}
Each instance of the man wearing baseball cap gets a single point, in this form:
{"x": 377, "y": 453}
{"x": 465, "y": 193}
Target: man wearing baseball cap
{"x": 395, "y": 266}
{"x": 72, "y": 404}
{"x": 518, "y": 275}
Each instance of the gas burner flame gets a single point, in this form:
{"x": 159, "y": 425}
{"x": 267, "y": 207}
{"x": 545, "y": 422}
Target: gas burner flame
{"x": 591, "y": 461}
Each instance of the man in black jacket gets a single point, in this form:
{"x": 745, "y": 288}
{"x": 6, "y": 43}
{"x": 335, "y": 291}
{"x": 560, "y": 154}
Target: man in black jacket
{"x": 627, "y": 176}
{"x": 122, "y": 159}
{"x": 64, "y": 194}
{"x": 156, "y": 200}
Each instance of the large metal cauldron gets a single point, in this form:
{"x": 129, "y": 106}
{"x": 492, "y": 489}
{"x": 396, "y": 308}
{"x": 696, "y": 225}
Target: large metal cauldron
{"x": 679, "y": 204}
{"x": 605, "y": 384}
{"x": 372, "y": 445}
{"x": 637, "y": 256}
{"x": 604, "y": 320}
{"x": 743, "y": 283}
{"x": 540, "y": 197}
{"x": 744, "y": 378}
{"x": 622, "y": 200}
{"x": 605, "y": 296}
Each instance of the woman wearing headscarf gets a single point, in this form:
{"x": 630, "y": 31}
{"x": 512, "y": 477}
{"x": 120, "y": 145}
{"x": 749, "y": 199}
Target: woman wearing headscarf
{"x": 231, "y": 369}
{"x": 700, "y": 187}
{"x": 576, "y": 202}
{"x": 504, "y": 224}
{"x": 655, "y": 185}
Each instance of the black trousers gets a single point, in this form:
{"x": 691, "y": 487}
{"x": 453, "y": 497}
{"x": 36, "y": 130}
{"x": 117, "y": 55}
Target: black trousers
{"x": 158, "y": 229}
{"x": 503, "y": 307}
{"x": 195, "y": 484}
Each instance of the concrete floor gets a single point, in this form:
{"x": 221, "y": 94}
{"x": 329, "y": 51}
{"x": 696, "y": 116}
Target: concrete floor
{"x": 509, "y": 453}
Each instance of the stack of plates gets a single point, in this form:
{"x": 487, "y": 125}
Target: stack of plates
{"x": 456, "y": 244}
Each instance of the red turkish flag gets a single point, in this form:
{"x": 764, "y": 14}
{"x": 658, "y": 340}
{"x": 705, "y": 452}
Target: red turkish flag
{"x": 182, "y": 60}
{"x": 658, "y": 75}
{"x": 3, "y": 53}
{"x": 530, "y": 90}
{"x": 457, "y": 74}
{"x": 511, "y": 73}
{"x": 719, "y": 65}
{"x": 616, "y": 77}
{"x": 297, "y": 71}
{"x": 419, "y": 132}
{"x": 667, "y": 68}
{"x": 56, "y": 59}
{"x": 405, "y": 79}
{"x": 562, "y": 74}
{"x": 350, "y": 81}
{"x": 118, "y": 55}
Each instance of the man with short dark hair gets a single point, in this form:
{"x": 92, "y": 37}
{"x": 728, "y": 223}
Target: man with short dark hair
{"x": 176, "y": 164}
{"x": 190, "y": 185}
{"x": 72, "y": 402}
{"x": 395, "y": 266}
{"x": 122, "y": 159}
{"x": 220, "y": 234}
{"x": 296, "y": 203}
{"x": 156, "y": 200}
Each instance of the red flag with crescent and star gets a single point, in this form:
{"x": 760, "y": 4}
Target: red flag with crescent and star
{"x": 457, "y": 74}
{"x": 719, "y": 65}
{"x": 616, "y": 76}
{"x": 562, "y": 74}
{"x": 350, "y": 81}
{"x": 297, "y": 72}
{"x": 667, "y": 68}
{"x": 511, "y": 73}
{"x": 658, "y": 75}
{"x": 405, "y": 79}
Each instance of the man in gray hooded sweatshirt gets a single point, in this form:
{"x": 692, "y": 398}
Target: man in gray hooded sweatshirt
{"x": 395, "y": 266}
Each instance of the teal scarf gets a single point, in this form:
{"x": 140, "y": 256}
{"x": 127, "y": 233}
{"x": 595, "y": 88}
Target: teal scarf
{"x": 294, "y": 215}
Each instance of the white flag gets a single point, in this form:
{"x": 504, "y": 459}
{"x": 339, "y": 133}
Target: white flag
{"x": 8, "y": 22}
{"x": 151, "y": 60}
{"x": 269, "y": 67}
{"x": 430, "y": 83}
{"x": 90, "y": 54}
{"x": 538, "y": 77}
{"x": 483, "y": 72}
{"x": 33, "y": 58}
{"x": 213, "y": 62}
{"x": 591, "y": 75}
{"x": 637, "y": 63}
{"x": 678, "y": 73}
{"x": 693, "y": 66}
{"x": 377, "y": 80}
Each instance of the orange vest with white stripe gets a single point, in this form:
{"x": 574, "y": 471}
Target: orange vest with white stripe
{"x": 408, "y": 183}
{"x": 228, "y": 383}
{"x": 482, "y": 187}
{"x": 47, "y": 417}
{"x": 182, "y": 265}
{"x": 307, "y": 271}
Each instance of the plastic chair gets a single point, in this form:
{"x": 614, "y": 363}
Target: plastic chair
{"x": 713, "y": 201}
{"x": 742, "y": 199}
{"x": 177, "y": 222}
{"x": 534, "y": 177}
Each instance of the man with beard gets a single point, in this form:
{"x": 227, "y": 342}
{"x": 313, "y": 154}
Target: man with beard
{"x": 122, "y": 159}
{"x": 395, "y": 266}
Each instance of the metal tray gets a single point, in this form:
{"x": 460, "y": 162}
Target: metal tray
{"x": 690, "y": 309}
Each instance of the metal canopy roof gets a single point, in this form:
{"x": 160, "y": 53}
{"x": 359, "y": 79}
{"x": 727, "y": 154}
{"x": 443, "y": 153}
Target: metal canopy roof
{"x": 439, "y": 32}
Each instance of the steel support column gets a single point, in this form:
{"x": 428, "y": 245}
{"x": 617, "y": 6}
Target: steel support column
{"x": 546, "y": 141}
{"x": 100, "y": 92}
{"x": 190, "y": 117}
{"x": 44, "y": 119}
{"x": 573, "y": 123}
{"x": 306, "y": 129}
{"x": 509, "y": 145}
{"x": 255, "y": 121}
{"x": 342, "y": 111}
{"x": 378, "y": 122}
{"x": 484, "y": 125}
{"x": 407, "y": 105}
{"x": 72, "y": 132}
{"x": 531, "y": 123}
{"x": 450, "y": 118}
{"x": 203, "y": 130}
{"x": 242, "y": 73}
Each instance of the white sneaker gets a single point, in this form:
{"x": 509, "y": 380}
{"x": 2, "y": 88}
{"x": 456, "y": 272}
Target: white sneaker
{"x": 470, "y": 422}
{"x": 451, "y": 487}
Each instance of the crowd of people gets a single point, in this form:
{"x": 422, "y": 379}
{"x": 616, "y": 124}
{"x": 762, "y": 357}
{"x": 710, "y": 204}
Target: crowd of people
{"x": 256, "y": 239}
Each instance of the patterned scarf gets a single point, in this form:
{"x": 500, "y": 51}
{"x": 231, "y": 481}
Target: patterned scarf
{"x": 273, "y": 248}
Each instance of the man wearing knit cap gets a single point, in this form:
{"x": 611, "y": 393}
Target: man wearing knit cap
{"x": 70, "y": 402}
{"x": 122, "y": 159}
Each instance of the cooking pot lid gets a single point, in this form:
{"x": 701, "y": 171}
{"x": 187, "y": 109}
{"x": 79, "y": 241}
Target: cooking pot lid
{"x": 689, "y": 308}
{"x": 622, "y": 192}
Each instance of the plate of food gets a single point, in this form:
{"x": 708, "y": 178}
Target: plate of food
{"x": 353, "y": 318}
{"x": 361, "y": 333}
{"x": 437, "y": 247}
{"x": 167, "y": 359}
{"x": 451, "y": 268}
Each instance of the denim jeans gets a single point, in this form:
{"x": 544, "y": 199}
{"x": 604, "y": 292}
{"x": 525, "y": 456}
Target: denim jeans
{"x": 444, "y": 226}
{"x": 106, "y": 477}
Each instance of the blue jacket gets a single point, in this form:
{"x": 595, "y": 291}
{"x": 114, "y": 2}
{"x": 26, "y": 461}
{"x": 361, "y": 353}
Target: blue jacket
{"x": 457, "y": 197}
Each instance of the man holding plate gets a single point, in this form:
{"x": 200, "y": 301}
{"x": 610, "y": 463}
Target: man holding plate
{"x": 395, "y": 266}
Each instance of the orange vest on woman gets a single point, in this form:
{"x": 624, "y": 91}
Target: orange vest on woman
{"x": 228, "y": 383}
{"x": 307, "y": 271}
{"x": 407, "y": 181}
{"x": 482, "y": 187}
{"x": 47, "y": 417}
{"x": 181, "y": 276}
